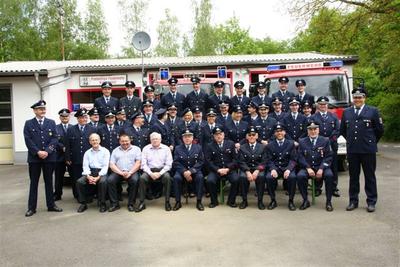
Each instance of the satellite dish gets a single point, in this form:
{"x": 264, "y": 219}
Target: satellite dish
{"x": 141, "y": 41}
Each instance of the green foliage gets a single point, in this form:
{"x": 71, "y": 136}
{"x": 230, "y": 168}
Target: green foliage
{"x": 168, "y": 36}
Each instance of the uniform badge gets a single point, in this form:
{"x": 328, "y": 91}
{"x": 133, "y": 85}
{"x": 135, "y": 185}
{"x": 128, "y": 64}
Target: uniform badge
{"x": 380, "y": 121}
{"x": 321, "y": 151}
{"x": 50, "y": 132}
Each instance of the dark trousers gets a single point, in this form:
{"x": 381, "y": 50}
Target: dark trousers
{"x": 302, "y": 182}
{"x": 272, "y": 184}
{"x": 198, "y": 181}
{"x": 82, "y": 187}
{"x": 34, "y": 174}
{"x": 76, "y": 173}
{"x": 368, "y": 164}
{"x": 59, "y": 173}
{"x": 214, "y": 178}
{"x": 113, "y": 180}
{"x": 334, "y": 168}
{"x": 145, "y": 179}
{"x": 260, "y": 185}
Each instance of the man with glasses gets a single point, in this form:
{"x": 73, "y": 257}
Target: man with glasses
{"x": 362, "y": 127}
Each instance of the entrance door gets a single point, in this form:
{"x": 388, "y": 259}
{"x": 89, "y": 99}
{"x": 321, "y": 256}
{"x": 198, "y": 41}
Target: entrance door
{"x": 6, "y": 137}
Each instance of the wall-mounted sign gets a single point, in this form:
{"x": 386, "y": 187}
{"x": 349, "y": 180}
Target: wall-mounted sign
{"x": 97, "y": 80}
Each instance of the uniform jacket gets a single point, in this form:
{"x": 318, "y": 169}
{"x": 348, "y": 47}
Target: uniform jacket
{"x": 217, "y": 158}
{"x": 61, "y": 133}
{"x": 192, "y": 160}
{"x": 281, "y": 158}
{"x": 179, "y": 101}
{"x": 76, "y": 143}
{"x": 130, "y": 106}
{"x": 315, "y": 157}
{"x": 295, "y": 129}
{"x": 251, "y": 160}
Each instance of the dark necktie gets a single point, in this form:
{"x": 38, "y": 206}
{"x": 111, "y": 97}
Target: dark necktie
{"x": 65, "y": 128}
{"x": 240, "y": 99}
{"x": 110, "y": 128}
{"x": 188, "y": 147}
{"x": 40, "y": 124}
{"x": 196, "y": 93}
{"x": 280, "y": 143}
{"x": 211, "y": 128}
{"x": 220, "y": 98}
{"x": 294, "y": 116}
{"x": 173, "y": 97}
{"x": 107, "y": 100}
{"x": 358, "y": 111}
{"x": 301, "y": 98}
{"x": 81, "y": 128}
{"x": 148, "y": 117}
{"x": 252, "y": 147}
{"x": 220, "y": 146}
{"x": 313, "y": 141}
{"x": 237, "y": 124}
{"x": 324, "y": 116}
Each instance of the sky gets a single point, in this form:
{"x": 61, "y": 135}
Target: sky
{"x": 262, "y": 17}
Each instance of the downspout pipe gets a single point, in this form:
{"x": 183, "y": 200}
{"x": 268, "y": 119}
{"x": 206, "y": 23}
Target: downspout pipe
{"x": 46, "y": 85}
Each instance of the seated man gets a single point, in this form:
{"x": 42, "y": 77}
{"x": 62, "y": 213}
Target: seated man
{"x": 315, "y": 158}
{"x": 156, "y": 164}
{"x": 95, "y": 166}
{"x": 252, "y": 163}
{"x": 125, "y": 164}
{"x": 281, "y": 162}
{"x": 221, "y": 159}
{"x": 188, "y": 163}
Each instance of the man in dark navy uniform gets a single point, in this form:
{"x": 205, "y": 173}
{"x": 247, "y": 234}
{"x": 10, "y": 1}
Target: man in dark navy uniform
{"x": 328, "y": 127}
{"x": 76, "y": 144}
{"x": 283, "y": 94}
{"x": 188, "y": 123}
{"x": 240, "y": 99}
{"x": 221, "y": 159}
{"x": 139, "y": 135}
{"x": 303, "y": 96}
{"x": 252, "y": 158}
{"x": 281, "y": 162}
{"x": 197, "y": 97}
{"x": 362, "y": 127}
{"x": 188, "y": 164}
{"x": 262, "y": 96}
{"x": 315, "y": 159}
{"x": 61, "y": 131}
{"x": 277, "y": 112}
{"x": 41, "y": 140}
{"x": 306, "y": 109}
{"x": 150, "y": 96}
{"x": 94, "y": 117}
{"x": 130, "y": 103}
{"x": 223, "y": 115}
{"x": 295, "y": 122}
{"x": 106, "y": 103}
{"x": 264, "y": 124}
{"x": 206, "y": 129}
{"x": 252, "y": 113}
{"x": 149, "y": 117}
{"x": 173, "y": 122}
{"x": 236, "y": 129}
{"x": 120, "y": 118}
{"x": 173, "y": 97}
{"x": 218, "y": 96}
{"x": 162, "y": 128}
{"x": 109, "y": 133}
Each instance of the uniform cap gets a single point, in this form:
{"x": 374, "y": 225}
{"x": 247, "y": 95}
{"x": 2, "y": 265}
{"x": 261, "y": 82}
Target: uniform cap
{"x": 283, "y": 80}
{"x": 106, "y": 84}
{"x": 130, "y": 84}
{"x": 64, "y": 112}
{"x": 39, "y": 104}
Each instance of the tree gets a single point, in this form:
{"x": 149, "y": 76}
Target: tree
{"x": 95, "y": 38}
{"x": 133, "y": 14}
{"x": 20, "y": 30}
{"x": 203, "y": 41}
{"x": 168, "y": 36}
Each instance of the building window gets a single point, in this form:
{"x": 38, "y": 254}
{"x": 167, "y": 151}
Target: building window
{"x": 5, "y": 108}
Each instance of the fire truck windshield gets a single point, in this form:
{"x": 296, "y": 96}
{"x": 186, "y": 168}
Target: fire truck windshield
{"x": 334, "y": 86}
{"x": 185, "y": 89}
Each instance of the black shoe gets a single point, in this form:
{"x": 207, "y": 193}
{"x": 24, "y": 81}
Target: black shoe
{"x": 29, "y": 213}
{"x": 232, "y": 205}
{"x": 141, "y": 207}
{"x": 157, "y": 195}
{"x": 212, "y": 205}
{"x": 243, "y": 204}
{"x": 371, "y": 208}
{"x": 318, "y": 192}
{"x": 103, "y": 208}
{"x": 352, "y": 206}
{"x": 260, "y": 205}
{"x": 82, "y": 208}
{"x": 57, "y": 198}
{"x": 131, "y": 208}
{"x": 55, "y": 209}
{"x": 177, "y": 206}
{"x": 286, "y": 192}
{"x": 305, "y": 205}
{"x": 292, "y": 207}
{"x": 168, "y": 206}
{"x": 113, "y": 208}
{"x": 336, "y": 193}
{"x": 329, "y": 206}
{"x": 149, "y": 196}
{"x": 272, "y": 205}
{"x": 199, "y": 206}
